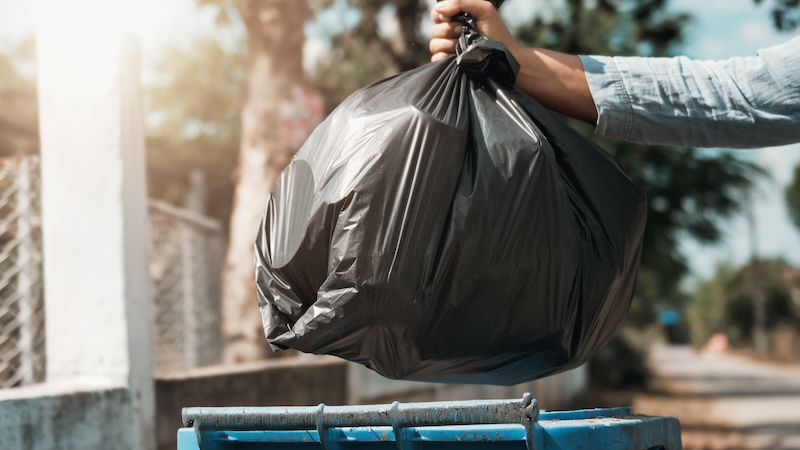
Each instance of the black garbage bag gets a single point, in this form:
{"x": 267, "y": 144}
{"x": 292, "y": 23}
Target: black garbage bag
{"x": 440, "y": 225}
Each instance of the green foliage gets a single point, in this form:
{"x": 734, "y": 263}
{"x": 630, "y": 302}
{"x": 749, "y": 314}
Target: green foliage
{"x": 362, "y": 53}
{"x": 348, "y": 67}
{"x": 19, "y": 134}
{"x": 622, "y": 27}
{"x": 725, "y": 302}
{"x": 195, "y": 104}
{"x": 793, "y": 198}
{"x": 766, "y": 276}
{"x": 407, "y": 47}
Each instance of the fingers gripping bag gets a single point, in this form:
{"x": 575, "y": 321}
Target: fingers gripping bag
{"x": 440, "y": 225}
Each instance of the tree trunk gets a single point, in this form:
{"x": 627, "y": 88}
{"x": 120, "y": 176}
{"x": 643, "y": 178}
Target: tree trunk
{"x": 275, "y": 74}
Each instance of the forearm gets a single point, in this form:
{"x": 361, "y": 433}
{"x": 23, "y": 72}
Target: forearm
{"x": 557, "y": 80}
{"x": 741, "y": 102}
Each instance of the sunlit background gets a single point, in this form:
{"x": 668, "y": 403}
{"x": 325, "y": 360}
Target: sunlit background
{"x": 719, "y": 29}
{"x": 696, "y": 287}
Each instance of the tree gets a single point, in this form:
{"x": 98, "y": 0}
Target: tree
{"x": 793, "y": 198}
{"x": 367, "y": 52}
{"x": 196, "y": 99}
{"x": 725, "y": 302}
{"x": 274, "y": 81}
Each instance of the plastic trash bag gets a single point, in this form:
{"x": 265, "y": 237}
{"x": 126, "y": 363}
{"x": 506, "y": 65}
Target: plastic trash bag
{"x": 440, "y": 225}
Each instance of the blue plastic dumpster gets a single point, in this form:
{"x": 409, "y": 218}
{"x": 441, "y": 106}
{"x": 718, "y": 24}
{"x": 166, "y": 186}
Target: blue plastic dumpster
{"x": 472, "y": 425}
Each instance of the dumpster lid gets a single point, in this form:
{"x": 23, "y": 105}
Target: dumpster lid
{"x": 397, "y": 415}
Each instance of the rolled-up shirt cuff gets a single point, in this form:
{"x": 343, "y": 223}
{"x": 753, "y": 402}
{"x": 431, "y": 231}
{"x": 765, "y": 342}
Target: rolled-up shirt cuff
{"x": 611, "y": 96}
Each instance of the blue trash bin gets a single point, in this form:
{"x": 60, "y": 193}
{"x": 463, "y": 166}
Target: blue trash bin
{"x": 468, "y": 425}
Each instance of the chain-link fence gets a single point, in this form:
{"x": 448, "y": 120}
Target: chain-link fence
{"x": 187, "y": 252}
{"x": 22, "y": 337}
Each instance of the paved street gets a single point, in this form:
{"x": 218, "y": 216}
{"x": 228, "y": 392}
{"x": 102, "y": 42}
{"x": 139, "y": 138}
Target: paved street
{"x": 725, "y": 401}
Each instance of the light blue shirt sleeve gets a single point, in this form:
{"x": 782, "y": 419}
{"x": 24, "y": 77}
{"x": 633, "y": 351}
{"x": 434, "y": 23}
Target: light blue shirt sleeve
{"x": 738, "y": 103}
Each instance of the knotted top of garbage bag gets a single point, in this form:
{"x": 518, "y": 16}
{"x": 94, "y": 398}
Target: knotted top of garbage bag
{"x": 478, "y": 55}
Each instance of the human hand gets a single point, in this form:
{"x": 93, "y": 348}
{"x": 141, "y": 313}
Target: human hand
{"x": 446, "y": 31}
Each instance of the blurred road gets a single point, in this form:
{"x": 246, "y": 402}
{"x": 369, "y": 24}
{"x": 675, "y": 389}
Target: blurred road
{"x": 725, "y": 401}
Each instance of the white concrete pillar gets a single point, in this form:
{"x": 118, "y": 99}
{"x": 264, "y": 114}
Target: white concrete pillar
{"x": 95, "y": 227}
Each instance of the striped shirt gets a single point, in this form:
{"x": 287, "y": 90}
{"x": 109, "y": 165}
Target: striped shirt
{"x": 740, "y": 102}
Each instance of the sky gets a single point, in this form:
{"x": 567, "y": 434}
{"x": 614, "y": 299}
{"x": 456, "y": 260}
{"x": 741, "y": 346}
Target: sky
{"x": 722, "y": 29}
